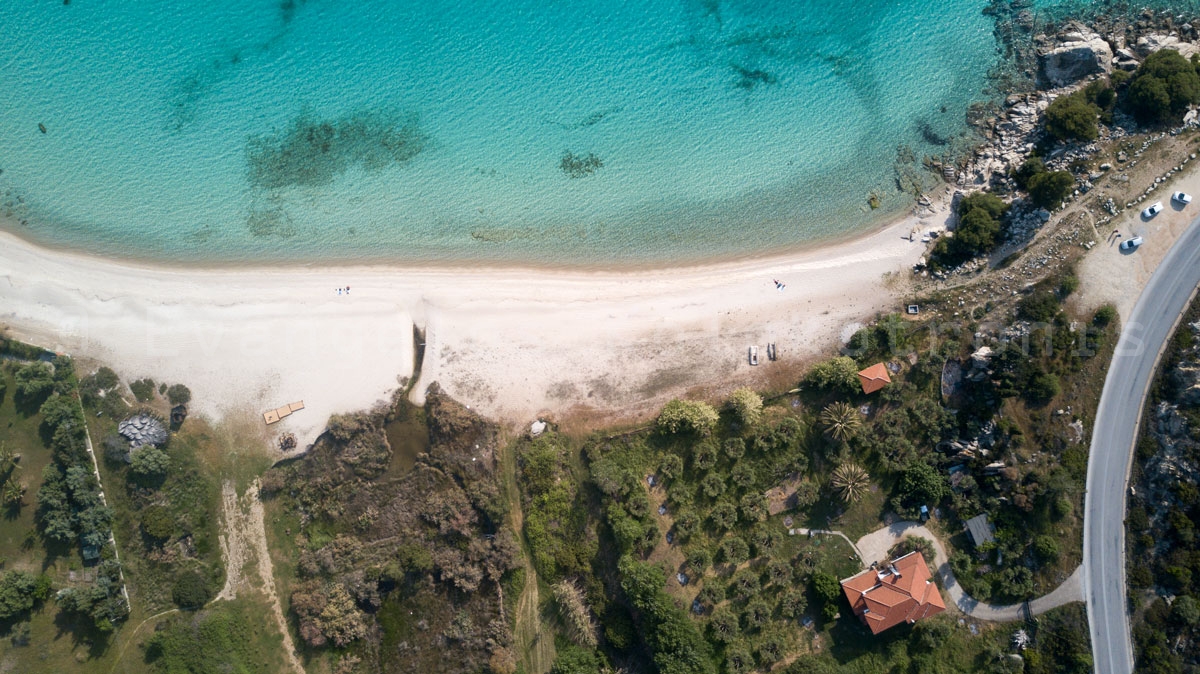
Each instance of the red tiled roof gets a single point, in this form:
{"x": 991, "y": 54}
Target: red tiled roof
{"x": 874, "y": 378}
{"x": 901, "y": 591}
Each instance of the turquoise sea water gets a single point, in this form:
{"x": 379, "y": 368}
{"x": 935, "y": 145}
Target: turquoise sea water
{"x": 520, "y": 131}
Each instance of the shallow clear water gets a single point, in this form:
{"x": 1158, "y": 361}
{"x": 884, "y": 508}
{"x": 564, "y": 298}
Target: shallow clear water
{"x": 521, "y": 131}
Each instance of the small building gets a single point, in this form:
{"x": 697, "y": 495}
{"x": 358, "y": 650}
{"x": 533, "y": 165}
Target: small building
{"x": 874, "y": 378}
{"x": 900, "y": 591}
{"x": 980, "y": 530}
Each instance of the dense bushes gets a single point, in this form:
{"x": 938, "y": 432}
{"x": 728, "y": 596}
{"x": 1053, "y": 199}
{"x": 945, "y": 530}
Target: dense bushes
{"x": 1072, "y": 117}
{"x": 836, "y": 375}
{"x": 213, "y": 641}
{"x": 1047, "y": 189}
{"x": 1164, "y": 85}
{"x": 21, "y": 591}
{"x": 746, "y": 405}
{"x": 70, "y": 509}
{"x": 191, "y": 590}
{"x": 978, "y": 229}
{"x": 676, "y": 643}
{"x": 179, "y": 394}
{"x": 687, "y": 416}
{"x": 143, "y": 390}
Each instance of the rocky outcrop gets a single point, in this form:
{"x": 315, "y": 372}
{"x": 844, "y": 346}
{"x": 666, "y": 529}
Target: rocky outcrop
{"x": 1079, "y": 52}
{"x": 1011, "y": 139}
{"x": 1148, "y": 44}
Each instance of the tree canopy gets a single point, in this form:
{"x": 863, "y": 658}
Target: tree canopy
{"x": 839, "y": 374}
{"x": 687, "y": 416}
{"x": 1162, "y": 87}
{"x": 978, "y": 229}
{"x": 1072, "y": 118}
{"x": 1050, "y": 188}
{"x": 747, "y": 405}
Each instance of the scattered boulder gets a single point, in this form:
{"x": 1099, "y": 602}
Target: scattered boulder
{"x": 1148, "y": 44}
{"x": 1079, "y": 53}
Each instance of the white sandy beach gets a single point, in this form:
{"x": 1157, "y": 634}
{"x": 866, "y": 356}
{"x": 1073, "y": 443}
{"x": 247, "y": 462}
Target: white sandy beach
{"x": 512, "y": 343}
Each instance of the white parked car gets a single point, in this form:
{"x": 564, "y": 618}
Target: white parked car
{"x": 1152, "y": 210}
{"x": 754, "y": 355}
{"x": 1182, "y": 197}
{"x": 1131, "y": 244}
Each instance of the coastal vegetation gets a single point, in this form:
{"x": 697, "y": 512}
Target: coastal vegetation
{"x": 681, "y": 539}
{"x": 1164, "y": 506}
{"x": 978, "y": 230}
{"x": 56, "y": 523}
{"x": 1162, "y": 88}
{"x": 399, "y": 566}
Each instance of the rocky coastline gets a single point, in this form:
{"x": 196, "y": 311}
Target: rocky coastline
{"x": 1049, "y": 60}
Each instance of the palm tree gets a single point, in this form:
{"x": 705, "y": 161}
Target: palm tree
{"x": 13, "y": 492}
{"x": 850, "y": 481}
{"x": 841, "y": 419}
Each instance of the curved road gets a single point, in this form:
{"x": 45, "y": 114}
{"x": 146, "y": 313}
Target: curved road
{"x": 1146, "y": 331}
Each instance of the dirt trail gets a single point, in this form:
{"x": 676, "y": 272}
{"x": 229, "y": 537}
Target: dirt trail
{"x": 245, "y": 535}
{"x": 533, "y": 643}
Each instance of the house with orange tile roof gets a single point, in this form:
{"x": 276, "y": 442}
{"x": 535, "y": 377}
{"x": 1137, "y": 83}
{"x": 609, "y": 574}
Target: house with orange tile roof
{"x": 874, "y": 378}
{"x": 900, "y": 591}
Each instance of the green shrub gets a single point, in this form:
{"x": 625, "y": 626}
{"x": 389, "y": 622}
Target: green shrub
{"x": 575, "y": 660}
{"x": 1046, "y": 549}
{"x": 1104, "y": 316}
{"x": 978, "y": 229}
{"x": 747, "y": 405}
{"x": 1030, "y": 168}
{"x": 191, "y": 590}
{"x": 157, "y": 522}
{"x": 179, "y": 394}
{"x": 1041, "y": 306}
{"x": 1042, "y": 388}
{"x": 687, "y": 416}
{"x": 1049, "y": 189}
{"x": 143, "y": 390}
{"x": 149, "y": 462}
{"x": 1068, "y": 285}
{"x": 1162, "y": 88}
{"x": 838, "y": 374}
{"x": 1072, "y": 118}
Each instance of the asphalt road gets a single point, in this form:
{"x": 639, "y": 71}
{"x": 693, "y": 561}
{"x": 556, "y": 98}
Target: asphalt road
{"x": 1144, "y": 334}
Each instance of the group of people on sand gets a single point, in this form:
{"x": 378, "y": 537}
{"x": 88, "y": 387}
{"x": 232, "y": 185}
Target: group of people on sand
{"x": 779, "y": 286}
{"x": 343, "y": 291}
